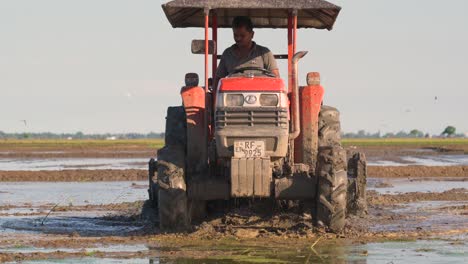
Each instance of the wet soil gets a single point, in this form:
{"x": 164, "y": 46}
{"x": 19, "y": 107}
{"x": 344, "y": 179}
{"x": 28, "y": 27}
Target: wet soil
{"x": 416, "y": 171}
{"x": 265, "y": 234}
{"x": 77, "y": 152}
{"x": 389, "y": 153}
{"x": 394, "y": 152}
{"x": 141, "y": 175}
{"x": 74, "y": 175}
{"x": 244, "y": 233}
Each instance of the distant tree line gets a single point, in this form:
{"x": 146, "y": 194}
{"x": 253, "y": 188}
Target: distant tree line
{"x": 449, "y": 131}
{"x": 80, "y": 135}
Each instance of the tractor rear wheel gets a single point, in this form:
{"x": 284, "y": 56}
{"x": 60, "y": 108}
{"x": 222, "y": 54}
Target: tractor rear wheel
{"x": 172, "y": 196}
{"x": 331, "y": 172}
{"x": 176, "y": 210}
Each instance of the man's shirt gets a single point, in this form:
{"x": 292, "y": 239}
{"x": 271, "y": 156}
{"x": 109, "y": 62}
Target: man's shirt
{"x": 259, "y": 57}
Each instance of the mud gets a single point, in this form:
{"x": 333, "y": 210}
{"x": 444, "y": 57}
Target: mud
{"x": 247, "y": 235}
{"x": 140, "y": 175}
{"x": 76, "y": 152}
{"x": 109, "y": 227}
{"x": 394, "y": 152}
{"x": 54, "y": 164}
{"x": 74, "y": 175}
{"x": 417, "y": 171}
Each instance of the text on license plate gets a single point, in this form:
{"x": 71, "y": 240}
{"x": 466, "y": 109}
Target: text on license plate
{"x": 249, "y": 149}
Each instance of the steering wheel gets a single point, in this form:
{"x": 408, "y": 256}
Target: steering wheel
{"x": 262, "y": 70}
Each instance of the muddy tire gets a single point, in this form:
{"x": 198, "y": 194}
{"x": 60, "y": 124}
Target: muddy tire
{"x": 329, "y": 128}
{"x": 176, "y": 211}
{"x": 149, "y": 212}
{"x": 154, "y": 190}
{"x": 153, "y": 183}
{"x": 332, "y": 188}
{"x": 172, "y": 196}
{"x": 357, "y": 184}
{"x": 331, "y": 171}
{"x": 176, "y": 127}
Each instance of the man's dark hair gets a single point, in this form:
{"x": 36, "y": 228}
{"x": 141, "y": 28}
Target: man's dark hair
{"x": 242, "y": 21}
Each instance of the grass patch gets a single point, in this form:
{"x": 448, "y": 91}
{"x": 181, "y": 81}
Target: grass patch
{"x": 90, "y": 253}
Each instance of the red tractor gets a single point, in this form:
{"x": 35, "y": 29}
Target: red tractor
{"x": 253, "y": 136}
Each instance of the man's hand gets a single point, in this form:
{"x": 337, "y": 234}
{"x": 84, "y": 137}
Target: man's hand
{"x": 276, "y": 72}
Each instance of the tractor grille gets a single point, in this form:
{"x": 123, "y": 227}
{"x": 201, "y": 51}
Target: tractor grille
{"x": 252, "y": 117}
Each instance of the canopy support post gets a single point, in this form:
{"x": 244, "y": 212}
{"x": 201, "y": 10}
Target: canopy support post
{"x": 290, "y": 50}
{"x": 214, "y": 32}
{"x": 207, "y": 104}
{"x": 292, "y": 81}
{"x": 207, "y": 12}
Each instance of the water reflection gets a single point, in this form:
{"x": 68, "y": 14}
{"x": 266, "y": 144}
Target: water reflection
{"x": 453, "y": 250}
{"x": 36, "y": 164}
{"x": 429, "y": 160}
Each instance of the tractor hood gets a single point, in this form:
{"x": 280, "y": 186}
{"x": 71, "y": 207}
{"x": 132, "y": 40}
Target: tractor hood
{"x": 318, "y": 14}
{"x": 244, "y": 84}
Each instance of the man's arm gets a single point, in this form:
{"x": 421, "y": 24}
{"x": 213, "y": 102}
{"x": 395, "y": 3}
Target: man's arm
{"x": 221, "y": 72}
{"x": 270, "y": 63}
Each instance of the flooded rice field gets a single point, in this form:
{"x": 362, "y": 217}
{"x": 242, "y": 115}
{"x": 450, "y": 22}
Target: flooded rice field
{"x": 429, "y": 184}
{"x": 430, "y": 160}
{"x": 48, "y": 164}
{"x": 76, "y": 193}
{"x": 87, "y": 209}
{"x": 77, "y": 163}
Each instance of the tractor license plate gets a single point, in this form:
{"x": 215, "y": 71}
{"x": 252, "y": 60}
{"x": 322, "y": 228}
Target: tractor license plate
{"x": 249, "y": 149}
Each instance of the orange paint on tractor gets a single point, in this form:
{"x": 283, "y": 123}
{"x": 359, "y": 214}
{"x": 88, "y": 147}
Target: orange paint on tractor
{"x": 311, "y": 98}
{"x": 195, "y": 108}
{"x": 254, "y": 84}
{"x": 194, "y": 103}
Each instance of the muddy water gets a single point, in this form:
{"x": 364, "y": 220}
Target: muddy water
{"x": 48, "y": 164}
{"x": 71, "y": 163}
{"x": 53, "y": 164}
{"x": 417, "y": 252}
{"x": 24, "y": 207}
{"x": 34, "y": 194}
{"x": 395, "y": 186}
{"x": 98, "y": 222}
{"x": 108, "y": 249}
{"x": 22, "y": 235}
{"x": 422, "y": 160}
{"x": 96, "y": 225}
{"x": 97, "y": 261}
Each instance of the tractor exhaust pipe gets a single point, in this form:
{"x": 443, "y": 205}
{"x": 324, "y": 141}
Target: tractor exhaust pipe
{"x": 296, "y": 128}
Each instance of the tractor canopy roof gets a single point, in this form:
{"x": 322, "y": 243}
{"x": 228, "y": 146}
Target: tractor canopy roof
{"x": 318, "y": 14}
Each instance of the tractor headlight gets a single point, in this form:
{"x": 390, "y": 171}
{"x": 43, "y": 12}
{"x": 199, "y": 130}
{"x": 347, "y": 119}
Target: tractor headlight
{"x": 269, "y": 100}
{"x": 234, "y": 100}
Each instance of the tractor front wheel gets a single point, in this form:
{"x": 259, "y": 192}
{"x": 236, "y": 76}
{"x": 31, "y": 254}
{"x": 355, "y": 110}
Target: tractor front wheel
{"x": 332, "y": 188}
{"x": 331, "y": 172}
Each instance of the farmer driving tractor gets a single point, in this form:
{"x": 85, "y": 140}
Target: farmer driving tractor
{"x": 245, "y": 52}
{"x": 255, "y": 137}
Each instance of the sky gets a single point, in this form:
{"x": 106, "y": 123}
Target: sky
{"x": 101, "y": 66}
